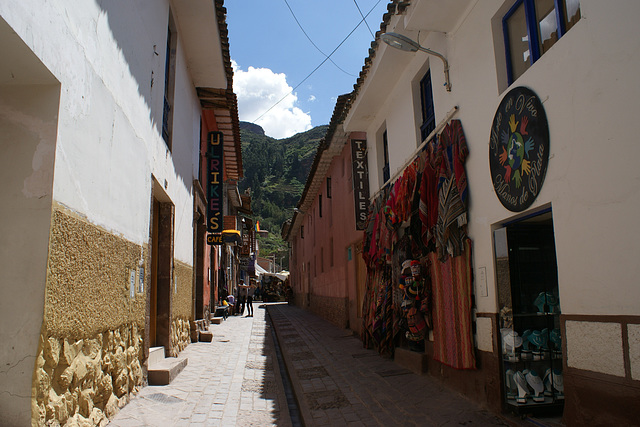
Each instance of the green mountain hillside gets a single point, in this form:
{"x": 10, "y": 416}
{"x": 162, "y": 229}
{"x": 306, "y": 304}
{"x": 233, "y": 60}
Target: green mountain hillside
{"x": 276, "y": 170}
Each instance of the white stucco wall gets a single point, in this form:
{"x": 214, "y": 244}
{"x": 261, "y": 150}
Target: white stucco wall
{"x": 109, "y": 140}
{"x": 588, "y": 84}
{"x": 28, "y": 129}
{"x": 595, "y": 347}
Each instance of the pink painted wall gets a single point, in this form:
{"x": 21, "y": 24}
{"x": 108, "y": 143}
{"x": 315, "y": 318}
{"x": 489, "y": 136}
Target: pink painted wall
{"x": 323, "y": 277}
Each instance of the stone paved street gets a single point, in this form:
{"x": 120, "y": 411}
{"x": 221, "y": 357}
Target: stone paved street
{"x": 340, "y": 383}
{"x": 235, "y": 381}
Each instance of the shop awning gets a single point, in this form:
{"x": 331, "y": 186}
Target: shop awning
{"x": 259, "y": 270}
{"x": 231, "y": 236}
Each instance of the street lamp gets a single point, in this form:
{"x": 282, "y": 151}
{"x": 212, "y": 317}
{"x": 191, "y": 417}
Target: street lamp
{"x": 404, "y": 43}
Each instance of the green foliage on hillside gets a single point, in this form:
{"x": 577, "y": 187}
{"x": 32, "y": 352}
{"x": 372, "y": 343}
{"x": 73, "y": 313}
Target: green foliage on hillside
{"x": 276, "y": 171}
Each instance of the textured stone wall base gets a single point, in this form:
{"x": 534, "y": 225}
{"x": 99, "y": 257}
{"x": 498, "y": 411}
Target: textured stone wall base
{"x": 333, "y": 309}
{"x": 87, "y": 381}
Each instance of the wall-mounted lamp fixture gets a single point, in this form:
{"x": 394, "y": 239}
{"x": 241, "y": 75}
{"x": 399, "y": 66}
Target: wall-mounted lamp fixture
{"x": 401, "y": 42}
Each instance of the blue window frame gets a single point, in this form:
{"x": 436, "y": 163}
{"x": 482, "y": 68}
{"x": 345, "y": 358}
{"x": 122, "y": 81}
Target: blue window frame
{"x": 531, "y": 27}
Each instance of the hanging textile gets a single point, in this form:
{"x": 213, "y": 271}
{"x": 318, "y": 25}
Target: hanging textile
{"x": 450, "y": 229}
{"x": 452, "y": 191}
{"x": 378, "y": 312}
{"x": 452, "y": 323}
{"x": 431, "y": 195}
{"x": 452, "y": 153}
{"x": 428, "y": 208}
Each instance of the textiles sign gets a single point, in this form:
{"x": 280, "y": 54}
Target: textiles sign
{"x": 214, "y": 186}
{"x": 360, "y": 181}
{"x": 519, "y": 149}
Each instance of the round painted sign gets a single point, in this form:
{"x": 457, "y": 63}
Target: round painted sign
{"x": 519, "y": 149}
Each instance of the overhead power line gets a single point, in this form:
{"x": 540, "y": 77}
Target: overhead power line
{"x": 365, "y": 21}
{"x": 314, "y": 45}
{"x": 320, "y": 65}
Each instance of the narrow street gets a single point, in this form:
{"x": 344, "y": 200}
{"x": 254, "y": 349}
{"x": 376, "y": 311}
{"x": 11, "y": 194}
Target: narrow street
{"x": 236, "y": 381}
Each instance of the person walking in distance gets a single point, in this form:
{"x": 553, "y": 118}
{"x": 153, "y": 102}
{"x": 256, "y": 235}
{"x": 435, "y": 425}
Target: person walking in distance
{"x": 242, "y": 295}
{"x": 250, "y": 292}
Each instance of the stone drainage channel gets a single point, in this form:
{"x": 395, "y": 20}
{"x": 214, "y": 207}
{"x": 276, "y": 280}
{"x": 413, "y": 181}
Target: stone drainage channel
{"x": 311, "y": 391}
{"x": 292, "y": 402}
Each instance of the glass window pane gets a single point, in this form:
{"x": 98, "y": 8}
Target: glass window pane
{"x": 518, "y": 42}
{"x": 428, "y": 114}
{"x": 547, "y": 24}
{"x": 571, "y": 13}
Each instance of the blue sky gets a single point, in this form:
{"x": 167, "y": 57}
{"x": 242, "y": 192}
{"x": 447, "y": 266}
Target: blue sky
{"x": 272, "y": 55}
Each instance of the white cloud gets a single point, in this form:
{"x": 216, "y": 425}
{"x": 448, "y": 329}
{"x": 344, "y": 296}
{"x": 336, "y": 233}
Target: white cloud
{"x": 312, "y": 98}
{"x": 258, "y": 90}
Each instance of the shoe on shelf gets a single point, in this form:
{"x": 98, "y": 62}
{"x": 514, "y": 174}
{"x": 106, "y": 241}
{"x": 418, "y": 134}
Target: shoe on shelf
{"x": 523, "y": 388}
{"x": 526, "y": 351}
{"x": 535, "y": 382}
{"x": 536, "y": 339}
{"x": 510, "y": 341}
{"x": 510, "y": 384}
{"x": 553, "y": 303}
{"x": 548, "y": 387}
{"x": 558, "y": 383}
{"x": 540, "y": 302}
{"x": 556, "y": 339}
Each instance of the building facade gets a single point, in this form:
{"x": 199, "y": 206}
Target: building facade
{"x": 326, "y": 266}
{"x": 103, "y": 109}
{"x": 491, "y": 166}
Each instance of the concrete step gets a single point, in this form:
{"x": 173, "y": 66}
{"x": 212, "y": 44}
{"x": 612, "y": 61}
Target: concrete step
{"x": 217, "y": 320}
{"x": 163, "y": 370}
{"x": 156, "y": 354}
{"x": 416, "y": 362}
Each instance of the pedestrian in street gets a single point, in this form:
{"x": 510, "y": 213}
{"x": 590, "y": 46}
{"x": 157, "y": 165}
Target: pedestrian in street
{"x": 237, "y": 292}
{"x": 232, "y": 303}
{"x": 250, "y": 292}
{"x": 242, "y": 295}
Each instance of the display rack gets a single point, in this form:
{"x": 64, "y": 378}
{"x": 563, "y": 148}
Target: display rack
{"x": 530, "y": 334}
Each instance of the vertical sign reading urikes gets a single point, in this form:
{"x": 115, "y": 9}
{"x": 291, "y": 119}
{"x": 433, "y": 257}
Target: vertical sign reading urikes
{"x": 519, "y": 149}
{"x": 360, "y": 181}
{"x": 214, "y": 187}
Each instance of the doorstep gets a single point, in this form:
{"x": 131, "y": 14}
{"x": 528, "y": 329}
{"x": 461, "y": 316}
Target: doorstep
{"x": 163, "y": 370}
{"x": 412, "y": 360}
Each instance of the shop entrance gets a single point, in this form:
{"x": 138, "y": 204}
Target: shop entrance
{"x": 161, "y": 270}
{"x": 531, "y": 341}
{"x": 202, "y": 300}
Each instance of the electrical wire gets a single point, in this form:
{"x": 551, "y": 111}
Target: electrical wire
{"x": 365, "y": 21}
{"x": 320, "y": 65}
{"x": 314, "y": 45}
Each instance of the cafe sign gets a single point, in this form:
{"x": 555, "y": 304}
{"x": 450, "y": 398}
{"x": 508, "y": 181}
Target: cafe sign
{"x": 519, "y": 149}
{"x": 360, "y": 181}
{"x": 214, "y": 188}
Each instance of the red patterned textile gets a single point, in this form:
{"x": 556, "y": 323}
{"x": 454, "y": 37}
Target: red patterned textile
{"x": 428, "y": 208}
{"x": 451, "y": 287}
{"x": 406, "y": 185}
{"x": 453, "y": 146}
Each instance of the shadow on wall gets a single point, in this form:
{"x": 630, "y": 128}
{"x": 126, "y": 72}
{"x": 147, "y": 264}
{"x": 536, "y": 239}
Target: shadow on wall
{"x": 140, "y": 34}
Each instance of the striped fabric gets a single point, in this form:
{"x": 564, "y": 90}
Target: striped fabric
{"x": 451, "y": 287}
{"x": 452, "y": 217}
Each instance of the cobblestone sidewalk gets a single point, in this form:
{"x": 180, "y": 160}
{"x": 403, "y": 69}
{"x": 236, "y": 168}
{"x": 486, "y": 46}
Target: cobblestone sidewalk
{"x": 339, "y": 383}
{"x": 232, "y": 381}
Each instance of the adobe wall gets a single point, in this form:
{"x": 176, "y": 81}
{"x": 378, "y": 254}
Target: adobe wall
{"x": 91, "y": 351}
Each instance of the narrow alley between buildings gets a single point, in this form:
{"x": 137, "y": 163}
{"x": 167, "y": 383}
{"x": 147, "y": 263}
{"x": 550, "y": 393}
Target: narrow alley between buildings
{"x": 329, "y": 379}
